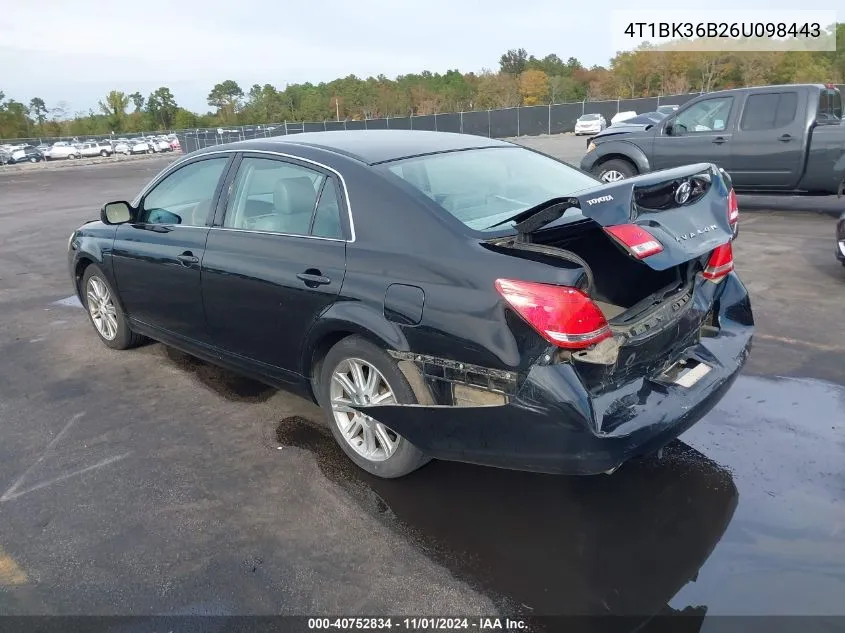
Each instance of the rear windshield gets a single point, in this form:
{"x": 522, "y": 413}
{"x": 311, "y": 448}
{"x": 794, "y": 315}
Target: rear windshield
{"x": 589, "y": 117}
{"x": 483, "y": 187}
{"x": 830, "y": 106}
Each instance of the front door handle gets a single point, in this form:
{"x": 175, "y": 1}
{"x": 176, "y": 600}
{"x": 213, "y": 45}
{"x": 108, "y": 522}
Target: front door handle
{"x": 785, "y": 138}
{"x": 719, "y": 140}
{"x": 188, "y": 258}
{"x": 313, "y": 278}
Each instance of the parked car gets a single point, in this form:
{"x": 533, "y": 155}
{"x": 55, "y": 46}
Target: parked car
{"x": 26, "y": 154}
{"x": 96, "y": 148}
{"x": 667, "y": 109}
{"x": 619, "y": 117}
{"x": 840, "y": 239}
{"x": 774, "y": 139}
{"x": 63, "y": 149}
{"x": 432, "y": 308}
{"x": 122, "y": 147}
{"x": 590, "y": 124}
{"x": 43, "y": 147}
{"x": 140, "y": 147}
{"x": 163, "y": 145}
{"x": 5, "y": 156}
{"x": 175, "y": 146}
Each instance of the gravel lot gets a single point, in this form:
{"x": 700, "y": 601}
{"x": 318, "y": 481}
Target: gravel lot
{"x": 146, "y": 482}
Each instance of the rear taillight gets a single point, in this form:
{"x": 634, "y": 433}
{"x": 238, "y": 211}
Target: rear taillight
{"x": 639, "y": 242}
{"x": 562, "y": 315}
{"x": 733, "y": 209}
{"x": 720, "y": 264}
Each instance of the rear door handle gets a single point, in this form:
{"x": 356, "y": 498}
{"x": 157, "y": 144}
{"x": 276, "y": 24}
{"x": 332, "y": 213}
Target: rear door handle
{"x": 719, "y": 140}
{"x": 313, "y": 278}
{"x": 188, "y": 258}
{"x": 785, "y": 137}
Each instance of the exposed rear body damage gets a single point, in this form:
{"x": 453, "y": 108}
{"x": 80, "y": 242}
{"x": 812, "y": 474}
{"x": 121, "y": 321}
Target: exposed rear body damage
{"x": 584, "y": 418}
{"x": 676, "y": 339}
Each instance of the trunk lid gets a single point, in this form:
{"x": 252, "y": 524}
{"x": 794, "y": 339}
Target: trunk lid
{"x": 685, "y": 209}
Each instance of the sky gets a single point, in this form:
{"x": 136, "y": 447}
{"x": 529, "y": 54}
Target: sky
{"x": 75, "y": 51}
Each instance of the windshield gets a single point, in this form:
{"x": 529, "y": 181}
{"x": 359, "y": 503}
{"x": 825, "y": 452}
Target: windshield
{"x": 589, "y": 117}
{"x": 483, "y": 187}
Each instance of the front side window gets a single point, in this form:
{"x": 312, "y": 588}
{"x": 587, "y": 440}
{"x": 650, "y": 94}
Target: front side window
{"x": 484, "y": 187}
{"x": 710, "y": 115}
{"x": 769, "y": 111}
{"x": 185, "y": 196}
{"x": 280, "y": 197}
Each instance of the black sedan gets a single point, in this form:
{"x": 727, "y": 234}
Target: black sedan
{"x": 439, "y": 295}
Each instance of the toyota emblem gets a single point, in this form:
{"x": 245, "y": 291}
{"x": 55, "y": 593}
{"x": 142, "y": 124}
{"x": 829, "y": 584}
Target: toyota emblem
{"x": 682, "y": 193}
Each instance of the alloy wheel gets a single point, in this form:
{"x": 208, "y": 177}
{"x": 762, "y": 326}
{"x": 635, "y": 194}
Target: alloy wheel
{"x": 101, "y": 308}
{"x": 357, "y": 382}
{"x": 612, "y": 175}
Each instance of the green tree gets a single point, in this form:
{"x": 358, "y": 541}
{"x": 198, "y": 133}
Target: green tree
{"x": 38, "y": 110}
{"x": 137, "y": 100}
{"x": 514, "y": 61}
{"x": 114, "y": 107}
{"x": 162, "y": 108}
{"x": 226, "y": 97}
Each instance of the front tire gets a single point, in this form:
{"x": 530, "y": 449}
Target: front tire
{"x": 357, "y": 372}
{"x": 615, "y": 170}
{"x": 104, "y": 311}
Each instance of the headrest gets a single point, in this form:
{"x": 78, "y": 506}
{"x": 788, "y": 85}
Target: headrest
{"x": 294, "y": 195}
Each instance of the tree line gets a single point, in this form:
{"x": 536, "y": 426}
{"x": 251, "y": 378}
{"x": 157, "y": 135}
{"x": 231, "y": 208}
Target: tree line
{"x": 521, "y": 80}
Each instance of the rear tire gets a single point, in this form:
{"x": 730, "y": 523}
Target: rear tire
{"x": 386, "y": 454}
{"x": 615, "y": 170}
{"x": 104, "y": 310}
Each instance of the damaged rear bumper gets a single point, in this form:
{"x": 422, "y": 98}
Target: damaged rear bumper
{"x": 555, "y": 424}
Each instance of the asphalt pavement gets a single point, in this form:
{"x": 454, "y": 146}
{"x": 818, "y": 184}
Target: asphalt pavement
{"x": 145, "y": 482}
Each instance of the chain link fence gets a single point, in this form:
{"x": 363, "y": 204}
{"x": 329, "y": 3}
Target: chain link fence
{"x": 555, "y": 118}
{"x": 500, "y": 123}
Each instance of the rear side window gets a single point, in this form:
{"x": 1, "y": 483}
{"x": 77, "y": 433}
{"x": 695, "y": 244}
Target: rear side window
{"x": 769, "y": 111}
{"x": 279, "y": 197}
{"x": 830, "y": 106}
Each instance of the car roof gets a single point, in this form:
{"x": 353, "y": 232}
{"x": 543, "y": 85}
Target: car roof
{"x": 375, "y": 146}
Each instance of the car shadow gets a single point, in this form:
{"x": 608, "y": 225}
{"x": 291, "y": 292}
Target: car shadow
{"x": 225, "y": 383}
{"x": 544, "y": 545}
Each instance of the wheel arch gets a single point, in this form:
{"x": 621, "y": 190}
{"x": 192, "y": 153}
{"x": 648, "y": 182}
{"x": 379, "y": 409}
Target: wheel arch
{"x": 341, "y": 320}
{"x": 622, "y": 151}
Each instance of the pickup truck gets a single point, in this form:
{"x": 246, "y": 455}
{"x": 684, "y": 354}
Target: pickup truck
{"x": 771, "y": 140}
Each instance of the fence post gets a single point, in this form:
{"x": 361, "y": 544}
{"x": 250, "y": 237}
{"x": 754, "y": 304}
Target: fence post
{"x": 489, "y": 129}
{"x": 583, "y": 106}
{"x": 286, "y": 127}
{"x": 411, "y": 119}
{"x": 517, "y": 120}
{"x": 435, "y": 122}
{"x": 617, "y": 104}
{"x": 461, "y": 113}
{"x": 658, "y": 100}
{"x": 365, "y": 122}
{"x": 549, "y": 126}
{"x": 387, "y": 121}
{"x": 324, "y": 125}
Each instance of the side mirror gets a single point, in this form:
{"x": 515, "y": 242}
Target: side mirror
{"x": 668, "y": 128}
{"x": 118, "y": 212}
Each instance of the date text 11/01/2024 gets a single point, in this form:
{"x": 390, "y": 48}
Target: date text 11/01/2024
{"x": 418, "y": 624}
{"x": 724, "y": 30}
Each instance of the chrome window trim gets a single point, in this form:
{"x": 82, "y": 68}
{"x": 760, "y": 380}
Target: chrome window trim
{"x": 175, "y": 165}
